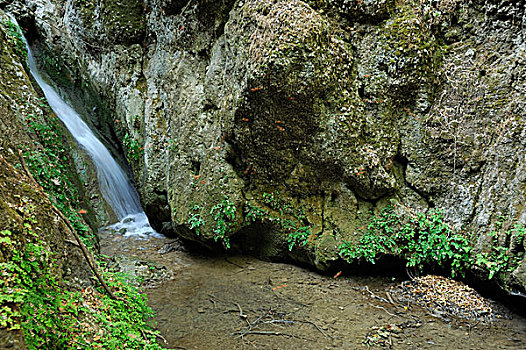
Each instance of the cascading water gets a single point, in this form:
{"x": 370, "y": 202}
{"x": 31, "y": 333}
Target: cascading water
{"x": 114, "y": 185}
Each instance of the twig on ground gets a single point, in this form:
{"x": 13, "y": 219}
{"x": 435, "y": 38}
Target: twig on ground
{"x": 278, "y": 321}
{"x": 212, "y": 300}
{"x": 383, "y": 308}
{"x": 375, "y": 296}
{"x": 241, "y": 334}
{"x": 241, "y": 314}
{"x": 317, "y": 327}
{"x": 390, "y": 298}
{"x": 155, "y": 334}
{"x": 233, "y": 263}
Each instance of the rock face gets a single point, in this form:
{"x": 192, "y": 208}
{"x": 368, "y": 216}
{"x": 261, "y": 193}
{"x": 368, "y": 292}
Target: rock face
{"x": 286, "y": 122}
{"x": 26, "y": 213}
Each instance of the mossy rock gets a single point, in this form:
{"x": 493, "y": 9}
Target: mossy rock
{"x": 122, "y": 22}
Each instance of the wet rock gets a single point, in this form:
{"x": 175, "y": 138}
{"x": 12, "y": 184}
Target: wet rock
{"x": 147, "y": 274}
{"x": 127, "y": 220}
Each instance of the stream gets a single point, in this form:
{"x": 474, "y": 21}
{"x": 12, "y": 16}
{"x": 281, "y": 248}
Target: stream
{"x": 239, "y": 302}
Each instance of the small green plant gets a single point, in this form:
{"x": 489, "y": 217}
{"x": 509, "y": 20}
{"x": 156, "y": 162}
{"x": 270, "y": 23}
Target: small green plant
{"x": 134, "y": 151}
{"x": 136, "y": 121}
{"x": 290, "y": 219}
{"x": 254, "y": 213}
{"x": 195, "y": 220}
{"x": 500, "y": 259}
{"x": 224, "y": 215}
{"x": 299, "y": 236}
{"x": 173, "y": 144}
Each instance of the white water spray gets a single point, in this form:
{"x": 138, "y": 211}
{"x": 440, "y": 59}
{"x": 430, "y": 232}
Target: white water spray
{"x": 114, "y": 185}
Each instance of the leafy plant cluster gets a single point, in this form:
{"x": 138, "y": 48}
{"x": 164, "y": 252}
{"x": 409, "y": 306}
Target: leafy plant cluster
{"x": 425, "y": 239}
{"x": 196, "y": 221}
{"x": 14, "y": 36}
{"x": 275, "y": 210}
{"x": 289, "y": 218}
{"x": 52, "y": 317}
{"x": 134, "y": 151}
{"x": 421, "y": 239}
{"x": 500, "y": 258}
{"x": 50, "y": 166}
{"x": 224, "y": 215}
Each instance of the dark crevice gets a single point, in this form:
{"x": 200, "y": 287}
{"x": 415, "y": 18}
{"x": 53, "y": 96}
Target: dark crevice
{"x": 404, "y": 162}
{"x": 159, "y": 213}
{"x": 195, "y": 167}
{"x": 209, "y": 106}
{"x": 234, "y": 158}
{"x": 361, "y": 91}
{"x": 173, "y": 7}
{"x": 475, "y": 200}
{"x": 372, "y": 201}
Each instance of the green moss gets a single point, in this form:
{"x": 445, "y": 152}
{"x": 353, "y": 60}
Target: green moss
{"x": 123, "y": 20}
{"x": 412, "y": 52}
{"x": 14, "y": 38}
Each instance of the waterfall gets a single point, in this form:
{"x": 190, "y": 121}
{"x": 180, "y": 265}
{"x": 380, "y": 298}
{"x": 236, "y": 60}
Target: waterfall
{"x": 115, "y": 187}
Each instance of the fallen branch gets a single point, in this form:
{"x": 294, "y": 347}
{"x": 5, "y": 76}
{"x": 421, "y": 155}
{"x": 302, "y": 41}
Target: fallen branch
{"x": 511, "y": 292}
{"x": 390, "y": 298}
{"x": 72, "y": 243}
{"x": 83, "y": 248}
{"x": 242, "y": 334}
{"x": 155, "y": 334}
{"x": 233, "y": 263}
{"x": 278, "y": 321}
{"x": 376, "y": 296}
{"x": 516, "y": 294}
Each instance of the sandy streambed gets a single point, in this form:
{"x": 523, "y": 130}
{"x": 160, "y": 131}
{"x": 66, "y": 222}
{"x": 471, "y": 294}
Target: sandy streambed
{"x": 239, "y": 302}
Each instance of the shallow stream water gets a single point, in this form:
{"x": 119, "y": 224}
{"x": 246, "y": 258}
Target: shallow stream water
{"x": 239, "y": 302}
